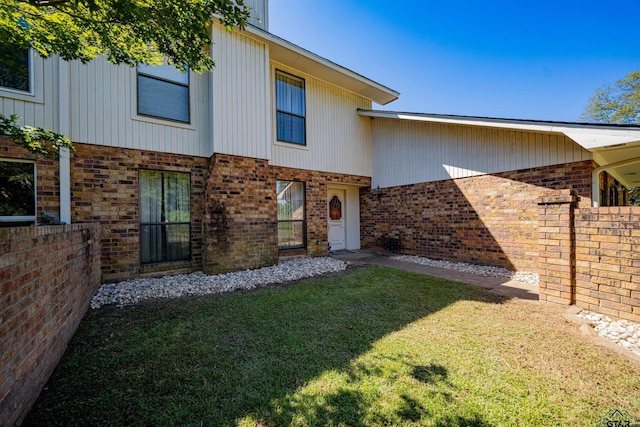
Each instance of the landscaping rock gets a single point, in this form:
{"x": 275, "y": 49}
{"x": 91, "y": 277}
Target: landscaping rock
{"x": 133, "y": 291}
{"x": 623, "y": 332}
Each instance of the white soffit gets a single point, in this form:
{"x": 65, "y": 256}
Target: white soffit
{"x": 589, "y": 136}
{"x": 294, "y": 56}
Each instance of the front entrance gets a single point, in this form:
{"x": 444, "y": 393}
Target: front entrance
{"x": 337, "y": 222}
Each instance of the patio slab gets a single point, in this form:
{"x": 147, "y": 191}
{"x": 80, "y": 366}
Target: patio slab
{"x": 508, "y": 288}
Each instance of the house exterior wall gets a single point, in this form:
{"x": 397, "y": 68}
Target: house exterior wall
{"x": 96, "y": 103}
{"x": 47, "y": 176}
{"x": 338, "y": 140}
{"x": 487, "y": 219}
{"x": 39, "y": 108}
{"x": 103, "y": 111}
{"x": 240, "y": 95}
{"x": 410, "y": 152}
{"x": 241, "y": 205}
{"x": 259, "y": 15}
{"x": 105, "y": 189}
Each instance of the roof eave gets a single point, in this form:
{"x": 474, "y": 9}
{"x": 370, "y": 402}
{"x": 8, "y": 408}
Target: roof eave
{"x": 287, "y": 53}
{"x": 591, "y": 137}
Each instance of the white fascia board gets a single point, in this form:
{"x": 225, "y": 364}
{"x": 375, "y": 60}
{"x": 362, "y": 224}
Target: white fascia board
{"x": 590, "y": 137}
{"x": 301, "y": 59}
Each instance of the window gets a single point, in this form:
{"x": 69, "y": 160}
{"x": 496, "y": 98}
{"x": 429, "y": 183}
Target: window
{"x": 290, "y": 108}
{"x": 15, "y": 68}
{"x": 17, "y": 192}
{"x": 165, "y": 218}
{"x": 163, "y": 92}
{"x": 291, "y": 215}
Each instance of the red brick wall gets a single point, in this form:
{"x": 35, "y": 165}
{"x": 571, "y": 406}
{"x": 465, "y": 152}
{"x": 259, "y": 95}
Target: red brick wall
{"x": 105, "y": 189}
{"x": 607, "y": 260}
{"x": 241, "y": 219}
{"x": 486, "y": 219}
{"x": 47, "y": 278}
{"x": 47, "y": 175}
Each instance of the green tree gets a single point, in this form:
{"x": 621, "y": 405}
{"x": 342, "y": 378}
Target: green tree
{"x": 124, "y": 31}
{"x": 615, "y": 103}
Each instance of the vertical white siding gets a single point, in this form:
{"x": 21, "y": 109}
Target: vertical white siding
{"x": 259, "y": 15}
{"x": 240, "y": 95}
{"x": 38, "y": 109}
{"x": 104, "y": 112}
{"x": 407, "y": 152}
{"x": 338, "y": 140}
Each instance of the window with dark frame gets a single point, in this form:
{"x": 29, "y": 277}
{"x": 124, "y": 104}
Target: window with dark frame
{"x": 291, "y": 215}
{"x": 15, "y": 68}
{"x": 165, "y": 216}
{"x": 17, "y": 192}
{"x": 290, "y": 109}
{"x": 163, "y": 92}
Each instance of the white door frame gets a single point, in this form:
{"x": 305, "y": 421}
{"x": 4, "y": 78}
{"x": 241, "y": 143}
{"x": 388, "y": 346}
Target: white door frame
{"x": 337, "y": 228}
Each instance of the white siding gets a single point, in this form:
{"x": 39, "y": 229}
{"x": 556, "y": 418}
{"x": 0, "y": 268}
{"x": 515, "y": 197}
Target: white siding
{"x": 38, "y": 109}
{"x": 240, "y": 95}
{"x": 338, "y": 140}
{"x": 104, "y": 112}
{"x": 259, "y": 15}
{"x": 406, "y": 152}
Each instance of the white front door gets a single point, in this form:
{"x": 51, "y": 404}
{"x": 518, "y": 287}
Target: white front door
{"x": 337, "y": 227}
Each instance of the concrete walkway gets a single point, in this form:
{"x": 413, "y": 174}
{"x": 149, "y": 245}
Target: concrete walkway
{"x": 509, "y": 288}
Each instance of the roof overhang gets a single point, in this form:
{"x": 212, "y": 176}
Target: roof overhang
{"x": 609, "y": 143}
{"x": 308, "y": 62}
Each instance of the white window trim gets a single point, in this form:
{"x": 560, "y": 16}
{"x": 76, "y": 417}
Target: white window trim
{"x": 10, "y": 219}
{"x": 36, "y": 76}
{"x": 156, "y": 120}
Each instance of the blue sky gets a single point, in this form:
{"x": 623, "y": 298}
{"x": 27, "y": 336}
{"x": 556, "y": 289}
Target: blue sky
{"x": 510, "y": 58}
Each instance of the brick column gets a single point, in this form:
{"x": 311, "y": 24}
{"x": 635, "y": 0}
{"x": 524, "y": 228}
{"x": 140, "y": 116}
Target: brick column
{"x": 556, "y": 247}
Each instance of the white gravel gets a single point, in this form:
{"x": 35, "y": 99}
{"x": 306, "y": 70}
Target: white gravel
{"x": 622, "y": 332}
{"x": 480, "y": 270}
{"x": 133, "y": 291}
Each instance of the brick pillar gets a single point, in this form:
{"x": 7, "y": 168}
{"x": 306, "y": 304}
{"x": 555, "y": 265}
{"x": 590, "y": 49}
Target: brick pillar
{"x": 556, "y": 247}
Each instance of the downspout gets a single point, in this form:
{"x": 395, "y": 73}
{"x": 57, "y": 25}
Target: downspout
{"x": 595, "y": 175}
{"x": 64, "y": 127}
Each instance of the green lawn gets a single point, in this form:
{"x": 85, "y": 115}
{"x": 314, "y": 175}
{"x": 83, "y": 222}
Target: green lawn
{"x": 373, "y": 346}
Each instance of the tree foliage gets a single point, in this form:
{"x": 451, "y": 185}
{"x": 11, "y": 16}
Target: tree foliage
{"x": 616, "y": 103}
{"x": 35, "y": 139}
{"x": 125, "y": 31}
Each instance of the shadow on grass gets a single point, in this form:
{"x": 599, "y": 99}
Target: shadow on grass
{"x": 254, "y": 357}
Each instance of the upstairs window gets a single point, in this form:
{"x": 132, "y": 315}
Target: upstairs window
{"x": 17, "y": 192}
{"x": 165, "y": 216}
{"x": 163, "y": 92}
{"x": 15, "y": 68}
{"x": 291, "y": 215}
{"x": 290, "y": 108}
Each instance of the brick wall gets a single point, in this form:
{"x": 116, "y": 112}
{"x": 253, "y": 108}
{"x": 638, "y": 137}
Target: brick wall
{"x": 105, "y": 189}
{"x": 486, "y": 219}
{"x": 241, "y": 217}
{"x": 607, "y": 259}
{"x": 556, "y": 239}
{"x": 47, "y": 278}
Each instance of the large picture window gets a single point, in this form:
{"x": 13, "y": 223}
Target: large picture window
{"x": 165, "y": 218}
{"x": 291, "y": 215}
{"x": 15, "y": 68}
{"x": 17, "y": 192}
{"x": 290, "y": 108}
{"x": 163, "y": 92}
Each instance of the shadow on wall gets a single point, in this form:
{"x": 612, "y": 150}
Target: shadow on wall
{"x": 487, "y": 219}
